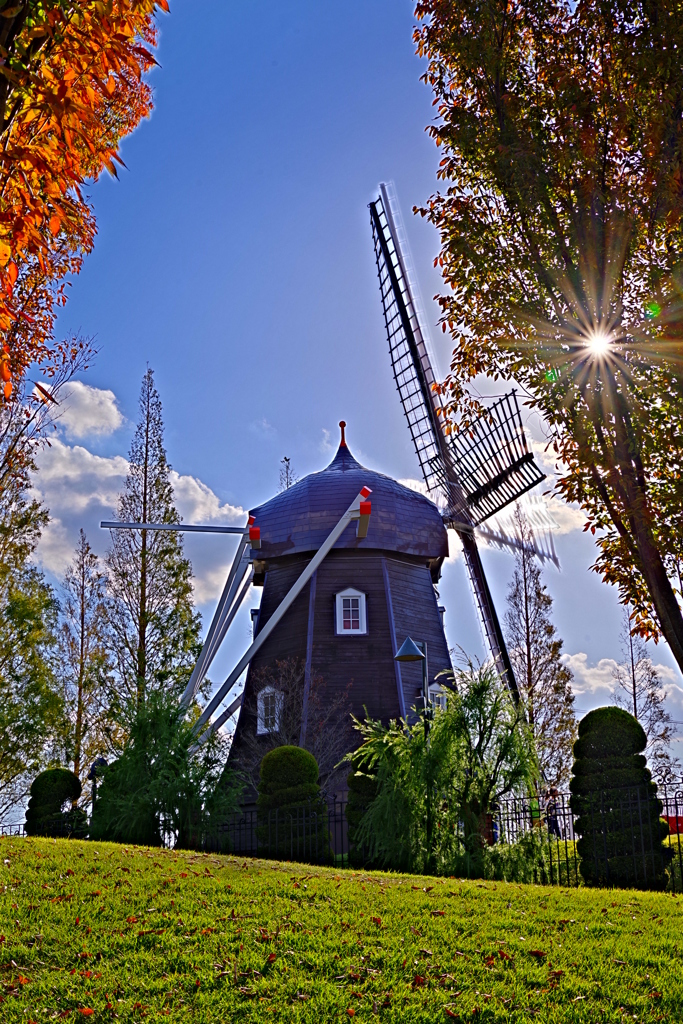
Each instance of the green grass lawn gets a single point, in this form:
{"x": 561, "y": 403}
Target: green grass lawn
{"x": 121, "y": 933}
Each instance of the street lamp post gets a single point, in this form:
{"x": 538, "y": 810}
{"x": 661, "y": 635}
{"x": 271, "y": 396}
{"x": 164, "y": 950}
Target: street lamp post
{"x": 412, "y": 650}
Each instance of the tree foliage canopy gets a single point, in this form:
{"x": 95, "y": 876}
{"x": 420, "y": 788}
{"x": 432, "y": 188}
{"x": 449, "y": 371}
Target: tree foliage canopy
{"x": 31, "y": 703}
{"x": 561, "y": 227}
{"x": 158, "y": 786}
{"x": 71, "y": 87}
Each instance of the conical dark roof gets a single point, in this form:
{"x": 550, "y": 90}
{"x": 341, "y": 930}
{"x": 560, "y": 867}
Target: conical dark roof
{"x": 300, "y": 518}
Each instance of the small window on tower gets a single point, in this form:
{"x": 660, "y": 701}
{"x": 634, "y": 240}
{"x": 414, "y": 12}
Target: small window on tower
{"x": 350, "y": 612}
{"x": 269, "y": 707}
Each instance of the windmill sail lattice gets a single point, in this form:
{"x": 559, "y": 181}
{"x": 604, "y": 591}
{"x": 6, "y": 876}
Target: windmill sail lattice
{"x": 471, "y": 476}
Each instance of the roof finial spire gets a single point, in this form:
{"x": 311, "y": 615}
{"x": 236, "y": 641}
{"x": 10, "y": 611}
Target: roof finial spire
{"x": 342, "y": 424}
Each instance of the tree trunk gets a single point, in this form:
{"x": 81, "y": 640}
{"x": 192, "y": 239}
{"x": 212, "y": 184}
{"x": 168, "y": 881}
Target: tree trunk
{"x": 629, "y": 479}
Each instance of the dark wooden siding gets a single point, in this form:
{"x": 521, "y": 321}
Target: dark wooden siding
{"x": 364, "y": 664}
{"x": 288, "y": 639}
{"x": 416, "y": 614}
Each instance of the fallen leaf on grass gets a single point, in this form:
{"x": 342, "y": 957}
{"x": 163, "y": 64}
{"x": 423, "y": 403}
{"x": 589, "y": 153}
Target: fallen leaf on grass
{"x": 622, "y": 963}
{"x": 87, "y": 1011}
{"x": 450, "y": 1013}
{"x": 538, "y": 953}
{"x": 418, "y": 981}
{"x": 438, "y": 913}
{"x": 555, "y": 974}
{"x": 377, "y": 921}
{"x": 654, "y": 995}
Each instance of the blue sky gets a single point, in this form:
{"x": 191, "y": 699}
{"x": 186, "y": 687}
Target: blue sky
{"x": 234, "y": 256}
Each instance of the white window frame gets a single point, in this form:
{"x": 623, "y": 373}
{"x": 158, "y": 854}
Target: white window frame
{"x": 437, "y": 696}
{"x": 339, "y": 613}
{"x": 261, "y": 728}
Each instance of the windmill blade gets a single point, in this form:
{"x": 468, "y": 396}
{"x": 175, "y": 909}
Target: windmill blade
{"x": 493, "y": 460}
{"x": 409, "y": 355}
{"x": 414, "y": 378}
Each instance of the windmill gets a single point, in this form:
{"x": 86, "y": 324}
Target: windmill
{"x": 470, "y": 477}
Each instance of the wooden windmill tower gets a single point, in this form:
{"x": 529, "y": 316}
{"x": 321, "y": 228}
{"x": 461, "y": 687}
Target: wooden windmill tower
{"x": 367, "y": 595}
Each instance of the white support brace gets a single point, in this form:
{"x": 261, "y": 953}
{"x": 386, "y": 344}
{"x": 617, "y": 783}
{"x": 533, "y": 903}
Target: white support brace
{"x": 232, "y": 707}
{"x": 352, "y": 512}
{"x": 239, "y": 566}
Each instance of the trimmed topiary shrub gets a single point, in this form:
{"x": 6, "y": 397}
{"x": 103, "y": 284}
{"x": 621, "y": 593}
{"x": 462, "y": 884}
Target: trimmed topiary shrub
{"x": 50, "y": 811}
{"x": 362, "y": 791}
{"x": 292, "y": 817}
{"x": 619, "y": 824}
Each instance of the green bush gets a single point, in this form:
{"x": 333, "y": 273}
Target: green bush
{"x": 362, "y": 792}
{"x": 50, "y": 792}
{"x": 621, "y": 832}
{"x": 292, "y": 817}
{"x": 161, "y": 786}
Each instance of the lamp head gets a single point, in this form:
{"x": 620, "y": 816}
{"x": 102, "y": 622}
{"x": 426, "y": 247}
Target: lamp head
{"x": 409, "y": 651}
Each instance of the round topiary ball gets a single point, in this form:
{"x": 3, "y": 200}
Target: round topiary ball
{"x": 609, "y": 732}
{"x": 288, "y": 776}
{"x": 50, "y": 792}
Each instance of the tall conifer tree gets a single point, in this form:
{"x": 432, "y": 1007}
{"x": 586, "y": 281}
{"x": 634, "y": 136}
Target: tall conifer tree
{"x": 535, "y": 652}
{"x": 85, "y": 662}
{"x": 154, "y": 627}
{"x": 31, "y": 705}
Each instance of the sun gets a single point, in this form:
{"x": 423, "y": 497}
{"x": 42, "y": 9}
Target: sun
{"x": 598, "y": 341}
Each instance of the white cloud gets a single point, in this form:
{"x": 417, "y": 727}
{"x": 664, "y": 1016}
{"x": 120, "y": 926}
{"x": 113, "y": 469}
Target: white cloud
{"x": 569, "y": 518}
{"x": 88, "y": 412}
{"x": 593, "y": 681}
{"x": 325, "y": 444}
{"x": 80, "y": 489}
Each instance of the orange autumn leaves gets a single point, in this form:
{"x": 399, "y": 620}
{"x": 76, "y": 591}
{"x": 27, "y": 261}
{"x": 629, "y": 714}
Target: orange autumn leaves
{"x": 71, "y": 87}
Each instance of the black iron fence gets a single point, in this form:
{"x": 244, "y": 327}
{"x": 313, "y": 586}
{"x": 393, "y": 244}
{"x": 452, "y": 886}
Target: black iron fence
{"x": 621, "y": 838}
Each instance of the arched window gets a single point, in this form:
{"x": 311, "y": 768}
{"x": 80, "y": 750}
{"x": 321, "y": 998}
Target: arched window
{"x": 269, "y": 710}
{"x": 350, "y": 612}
